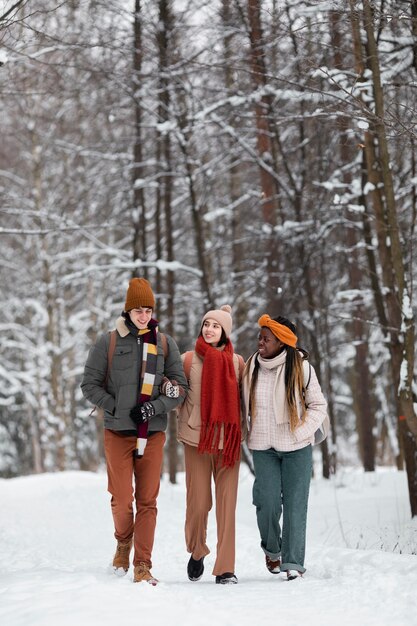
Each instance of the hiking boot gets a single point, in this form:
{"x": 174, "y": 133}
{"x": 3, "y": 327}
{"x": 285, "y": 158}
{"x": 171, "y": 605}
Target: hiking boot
{"x": 292, "y": 574}
{"x": 226, "y": 579}
{"x": 121, "y": 557}
{"x": 273, "y": 566}
{"x": 195, "y": 568}
{"x": 142, "y": 573}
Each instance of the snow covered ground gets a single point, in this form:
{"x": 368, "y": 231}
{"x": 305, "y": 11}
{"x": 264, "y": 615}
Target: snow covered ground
{"x": 56, "y": 544}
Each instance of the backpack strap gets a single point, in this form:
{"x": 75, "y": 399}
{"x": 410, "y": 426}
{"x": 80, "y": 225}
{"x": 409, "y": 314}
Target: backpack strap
{"x": 308, "y": 376}
{"x": 164, "y": 342}
{"x": 241, "y": 366}
{"x": 306, "y": 384}
{"x": 110, "y": 352}
{"x": 188, "y": 357}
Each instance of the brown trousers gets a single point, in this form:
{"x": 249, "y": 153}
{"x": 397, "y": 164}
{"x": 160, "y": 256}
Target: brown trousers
{"x": 122, "y": 466}
{"x": 199, "y": 468}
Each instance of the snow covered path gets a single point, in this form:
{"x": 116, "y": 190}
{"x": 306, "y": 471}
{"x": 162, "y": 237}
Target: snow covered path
{"x": 56, "y": 543}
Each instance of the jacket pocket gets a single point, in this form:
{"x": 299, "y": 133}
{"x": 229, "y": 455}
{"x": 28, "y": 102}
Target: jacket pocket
{"x": 122, "y": 358}
{"x": 194, "y": 420}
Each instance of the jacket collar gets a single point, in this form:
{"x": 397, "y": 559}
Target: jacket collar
{"x": 121, "y": 327}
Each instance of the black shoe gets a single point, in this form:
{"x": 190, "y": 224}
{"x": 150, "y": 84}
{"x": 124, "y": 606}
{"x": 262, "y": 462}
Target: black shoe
{"x": 195, "y": 568}
{"x": 226, "y": 579}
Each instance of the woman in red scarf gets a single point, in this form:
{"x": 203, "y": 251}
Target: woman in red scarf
{"x": 210, "y": 429}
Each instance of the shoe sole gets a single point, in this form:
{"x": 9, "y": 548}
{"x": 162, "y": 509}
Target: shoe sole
{"x": 119, "y": 571}
{"x": 194, "y": 580}
{"x": 151, "y": 581}
{"x": 226, "y": 582}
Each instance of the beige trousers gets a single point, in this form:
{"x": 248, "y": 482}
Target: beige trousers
{"x": 199, "y": 468}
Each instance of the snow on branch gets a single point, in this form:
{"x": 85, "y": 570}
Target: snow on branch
{"x": 162, "y": 266}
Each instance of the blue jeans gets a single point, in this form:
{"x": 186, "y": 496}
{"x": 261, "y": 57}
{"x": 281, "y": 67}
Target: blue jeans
{"x": 282, "y": 483}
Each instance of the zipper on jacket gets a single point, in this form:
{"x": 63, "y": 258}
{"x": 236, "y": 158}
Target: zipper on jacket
{"x": 138, "y": 376}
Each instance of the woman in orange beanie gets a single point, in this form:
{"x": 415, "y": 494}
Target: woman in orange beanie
{"x": 210, "y": 429}
{"x": 284, "y": 407}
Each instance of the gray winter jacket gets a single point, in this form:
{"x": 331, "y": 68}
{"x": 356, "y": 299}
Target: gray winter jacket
{"x": 122, "y": 390}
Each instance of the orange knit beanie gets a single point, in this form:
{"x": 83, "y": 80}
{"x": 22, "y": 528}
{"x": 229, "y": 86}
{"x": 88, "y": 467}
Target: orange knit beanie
{"x": 139, "y": 294}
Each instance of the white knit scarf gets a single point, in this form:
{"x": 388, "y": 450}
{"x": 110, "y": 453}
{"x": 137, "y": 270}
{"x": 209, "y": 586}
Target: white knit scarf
{"x": 279, "y": 398}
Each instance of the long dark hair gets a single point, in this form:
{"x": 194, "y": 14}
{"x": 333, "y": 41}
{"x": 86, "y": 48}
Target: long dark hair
{"x": 294, "y": 377}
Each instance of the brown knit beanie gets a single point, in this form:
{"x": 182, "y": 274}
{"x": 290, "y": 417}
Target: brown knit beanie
{"x": 139, "y": 294}
{"x": 223, "y": 316}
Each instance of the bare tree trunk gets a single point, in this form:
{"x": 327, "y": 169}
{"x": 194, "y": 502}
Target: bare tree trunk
{"x": 56, "y": 400}
{"x": 139, "y": 207}
{"x": 363, "y": 404}
{"x": 38, "y": 466}
{"x": 372, "y": 173}
{"x": 369, "y": 173}
{"x": 330, "y": 457}
{"x": 164, "y": 141}
{"x": 198, "y": 227}
{"x": 414, "y": 31}
{"x": 264, "y": 146}
{"x": 407, "y": 318}
{"x": 241, "y": 305}
{"x": 403, "y": 354}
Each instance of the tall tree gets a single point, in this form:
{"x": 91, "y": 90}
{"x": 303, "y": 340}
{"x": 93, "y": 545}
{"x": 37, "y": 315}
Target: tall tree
{"x": 404, "y": 374}
{"x": 138, "y": 169}
{"x": 269, "y": 195}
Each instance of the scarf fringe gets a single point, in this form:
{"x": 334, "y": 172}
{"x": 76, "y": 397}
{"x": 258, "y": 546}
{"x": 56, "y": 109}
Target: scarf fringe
{"x": 210, "y": 442}
{"x": 209, "y": 438}
{"x": 231, "y": 447}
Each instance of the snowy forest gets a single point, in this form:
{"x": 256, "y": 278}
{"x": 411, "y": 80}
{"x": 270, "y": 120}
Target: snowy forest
{"x": 260, "y": 153}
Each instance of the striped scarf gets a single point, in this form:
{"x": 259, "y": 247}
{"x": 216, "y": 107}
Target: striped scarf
{"x": 148, "y": 337}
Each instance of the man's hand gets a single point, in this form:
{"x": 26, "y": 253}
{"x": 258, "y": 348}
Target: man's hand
{"x": 142, "y": 412}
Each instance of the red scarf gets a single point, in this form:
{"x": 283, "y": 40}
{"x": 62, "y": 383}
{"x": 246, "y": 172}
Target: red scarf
{"x": 220, "y": 402}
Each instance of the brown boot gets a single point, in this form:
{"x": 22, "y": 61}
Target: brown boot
{"x": 143, "y": 573}
{"x": 121, "y": 557}
{"x": 273, "y": 566}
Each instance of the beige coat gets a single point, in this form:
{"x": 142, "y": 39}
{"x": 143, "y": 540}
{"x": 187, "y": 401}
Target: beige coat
{"x": 189, "y": 415}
